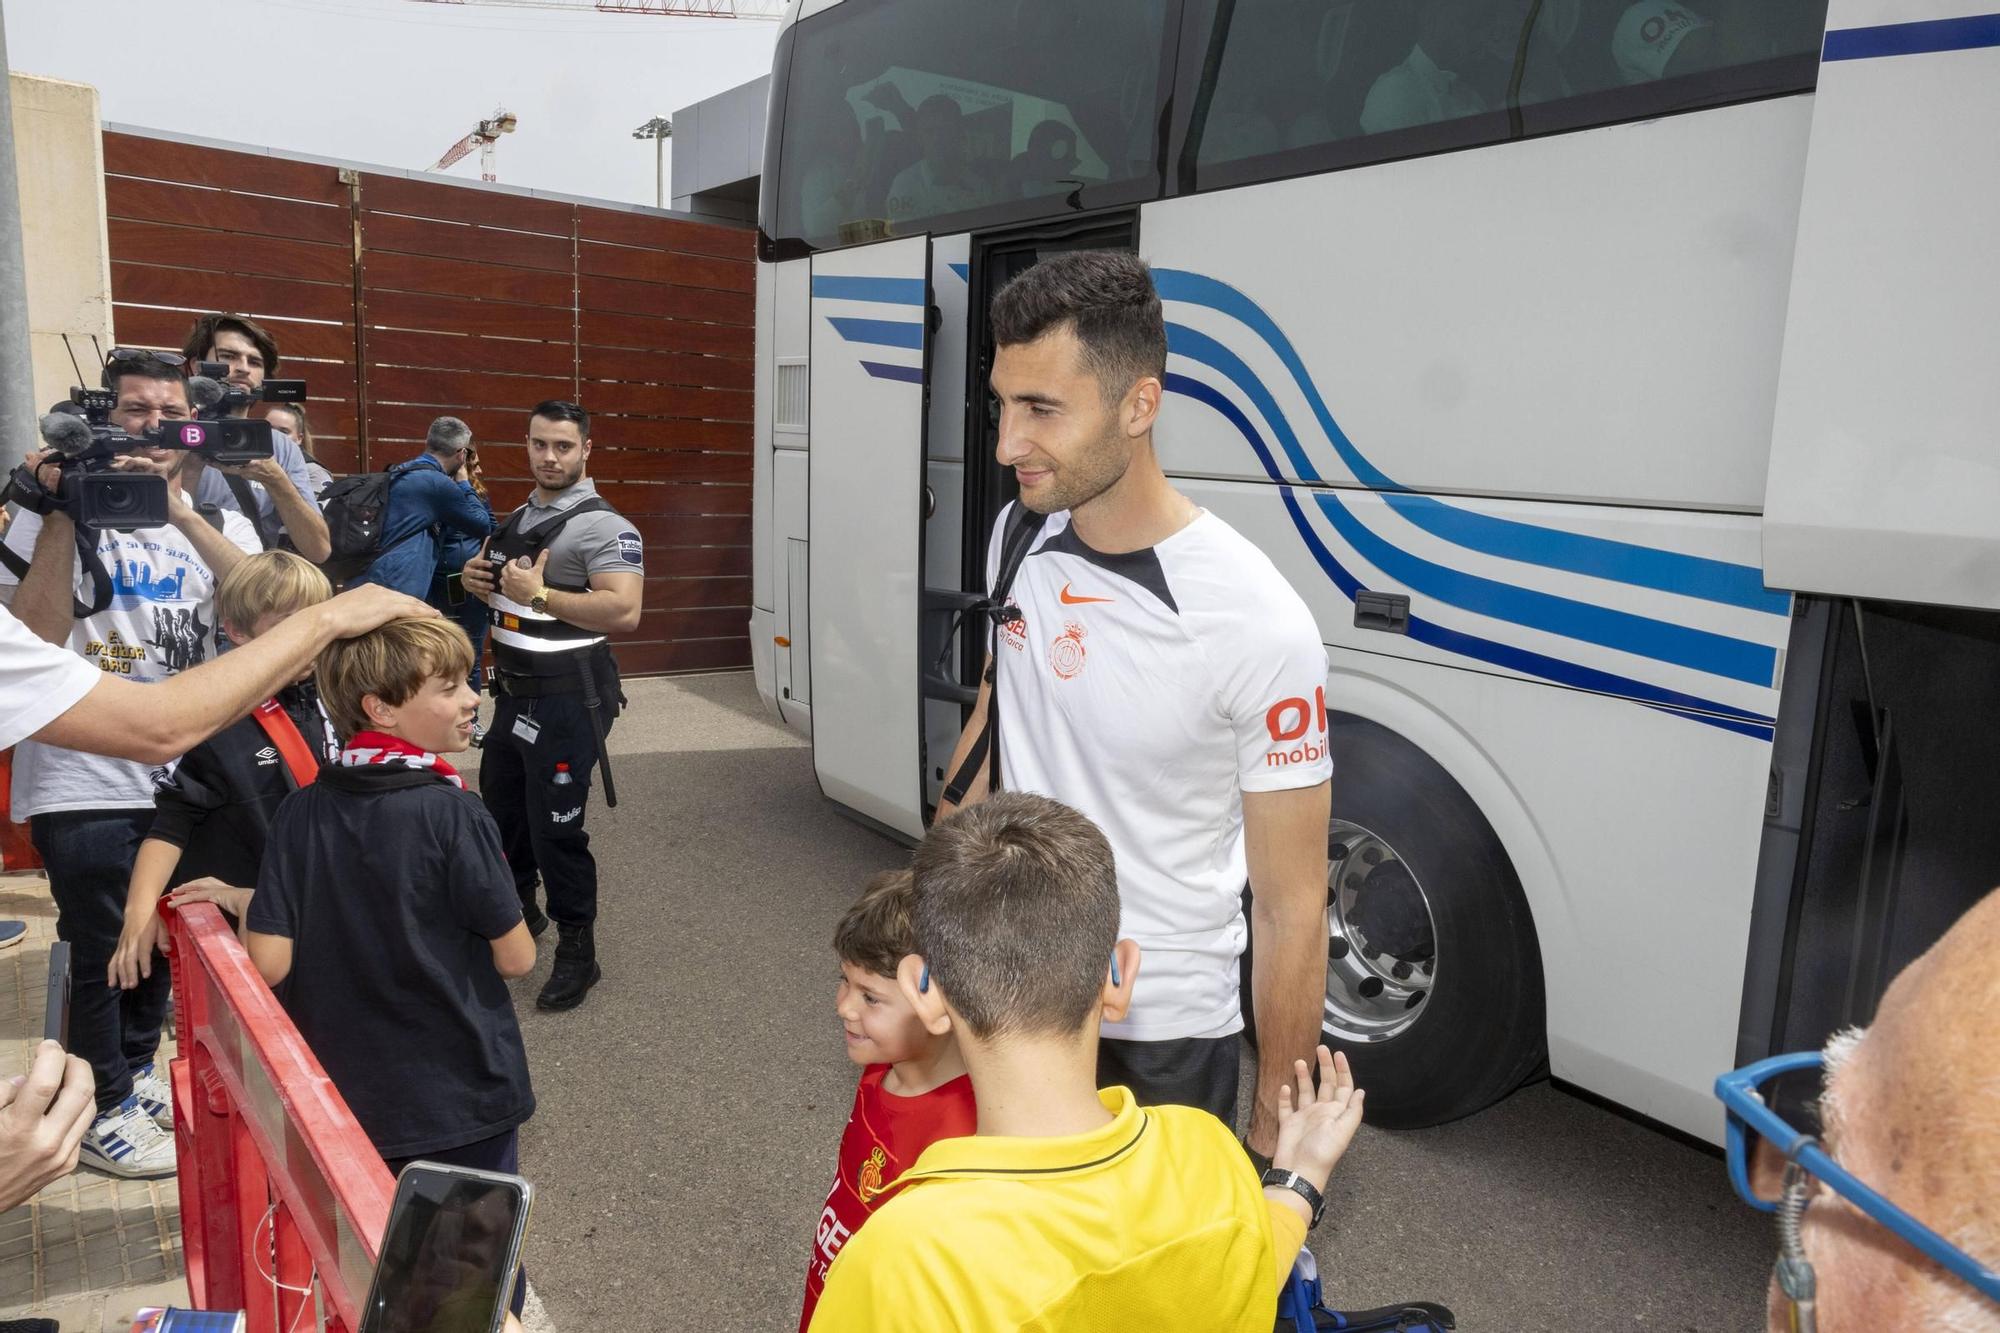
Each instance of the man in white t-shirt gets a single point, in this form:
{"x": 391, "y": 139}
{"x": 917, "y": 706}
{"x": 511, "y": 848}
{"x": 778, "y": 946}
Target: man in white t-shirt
{"x": 1165, "y": 680}
{"x": 86, "y": 813}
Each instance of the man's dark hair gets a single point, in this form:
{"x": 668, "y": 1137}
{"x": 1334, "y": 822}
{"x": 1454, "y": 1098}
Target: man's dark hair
{"x": 1106, "y": 297}
{"x": 875, "y": 934}
{"x": 120, "y": 369}
{"x": 1016, "y": 914}
{"x": 201, "y": 338}
{"x": 561, "y": 409}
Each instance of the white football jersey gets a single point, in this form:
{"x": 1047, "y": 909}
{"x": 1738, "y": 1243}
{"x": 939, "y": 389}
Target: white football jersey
{"x": 1149, "y": 690}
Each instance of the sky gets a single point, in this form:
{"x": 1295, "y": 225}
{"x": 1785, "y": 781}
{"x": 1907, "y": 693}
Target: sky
{"x": 397, "y": 82}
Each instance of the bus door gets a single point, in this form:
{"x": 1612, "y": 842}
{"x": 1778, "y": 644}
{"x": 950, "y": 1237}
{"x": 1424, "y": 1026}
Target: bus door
{"x": 970, "y": 487}
{"x": 864, "y": 523}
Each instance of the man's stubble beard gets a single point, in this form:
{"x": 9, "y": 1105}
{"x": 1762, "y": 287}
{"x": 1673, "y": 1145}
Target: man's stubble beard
{"x": 1104, "y": 464}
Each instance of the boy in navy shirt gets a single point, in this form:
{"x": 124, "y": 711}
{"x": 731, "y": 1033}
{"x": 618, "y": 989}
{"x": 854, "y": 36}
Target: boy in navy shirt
{"x": 385, "y": 917}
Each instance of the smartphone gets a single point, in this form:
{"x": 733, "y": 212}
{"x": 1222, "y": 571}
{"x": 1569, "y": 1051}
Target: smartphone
{"x": 450, "y": 1254}
{"x": 55, "y": 1015}
{"x": 454, "y": 589}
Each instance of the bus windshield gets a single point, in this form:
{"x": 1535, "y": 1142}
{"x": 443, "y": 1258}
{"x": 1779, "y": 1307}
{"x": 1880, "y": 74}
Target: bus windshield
{"x": 896, "y": 113}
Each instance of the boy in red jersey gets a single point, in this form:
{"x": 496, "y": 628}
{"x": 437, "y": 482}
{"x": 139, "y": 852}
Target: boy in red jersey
{"x": 914, "y": 1090}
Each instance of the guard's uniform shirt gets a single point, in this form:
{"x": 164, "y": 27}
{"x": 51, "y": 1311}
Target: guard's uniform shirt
{"x": 1149, "y": 690}
{"x": 542, "y": 726}
{"x": 1154, "y": 1221}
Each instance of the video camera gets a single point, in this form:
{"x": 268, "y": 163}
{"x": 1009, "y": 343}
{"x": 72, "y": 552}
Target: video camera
{"x": 96, "y": 495}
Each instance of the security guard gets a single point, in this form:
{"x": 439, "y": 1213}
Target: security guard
{"x": 561, "y": 573}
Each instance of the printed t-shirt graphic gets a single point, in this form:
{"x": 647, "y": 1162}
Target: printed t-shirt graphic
{"x": 161, "y": 620}
{"x": 1149, "y": 690}
{"x": 885, "y": 1134}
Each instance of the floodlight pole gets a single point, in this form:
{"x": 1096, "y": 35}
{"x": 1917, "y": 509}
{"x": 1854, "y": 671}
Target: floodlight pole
{"x": 659, "y": 129}
{"x": 17, "y": 367}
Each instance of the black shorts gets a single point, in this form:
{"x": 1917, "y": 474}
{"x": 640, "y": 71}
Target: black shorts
{"x": 1188, "y": 1071}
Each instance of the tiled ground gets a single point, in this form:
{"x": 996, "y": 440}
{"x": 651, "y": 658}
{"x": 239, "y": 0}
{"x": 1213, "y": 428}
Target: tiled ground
{"x": 90, "y": 1249}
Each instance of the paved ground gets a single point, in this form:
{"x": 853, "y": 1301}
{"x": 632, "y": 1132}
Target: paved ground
{"x": 690, "y": 1109}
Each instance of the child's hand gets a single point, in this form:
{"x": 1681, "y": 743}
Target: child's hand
{"x": 1314, "y": 1133}
{"x": 134, "y": 957}
{"x": 209, "y": 889}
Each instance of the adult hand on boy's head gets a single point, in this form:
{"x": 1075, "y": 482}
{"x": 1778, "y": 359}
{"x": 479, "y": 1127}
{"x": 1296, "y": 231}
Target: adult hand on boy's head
{"x": 371, "y": 606}
{"x": 43, "y": 1119}
{"x": 1315, "y": 1127}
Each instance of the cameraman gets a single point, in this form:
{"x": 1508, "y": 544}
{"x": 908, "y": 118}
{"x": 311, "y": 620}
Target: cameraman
{"x": 85, "y": 813}
{"x": 280, "y": 484}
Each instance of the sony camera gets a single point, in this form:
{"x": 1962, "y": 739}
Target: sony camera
{"x": 94, "y": 493}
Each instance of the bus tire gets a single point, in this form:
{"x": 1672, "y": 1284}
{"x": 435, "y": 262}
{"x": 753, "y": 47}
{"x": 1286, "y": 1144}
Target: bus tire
{"x": 1478, "y": 1030}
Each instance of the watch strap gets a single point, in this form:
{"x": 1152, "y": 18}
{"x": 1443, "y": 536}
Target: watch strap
{"x": 1278, "y": 1178}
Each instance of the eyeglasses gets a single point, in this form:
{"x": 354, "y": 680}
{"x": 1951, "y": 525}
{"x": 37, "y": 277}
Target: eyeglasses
{"x": 143, "y": 355}
{"x": 1752, "y": 1117}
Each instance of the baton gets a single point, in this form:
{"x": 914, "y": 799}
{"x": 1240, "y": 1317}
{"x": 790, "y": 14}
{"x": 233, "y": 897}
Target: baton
{"x": 590, "y": 704}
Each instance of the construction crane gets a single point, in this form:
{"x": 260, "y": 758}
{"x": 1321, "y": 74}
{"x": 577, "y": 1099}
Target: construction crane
{"x": 484, "y": 135}
{"x": 702, "y": 9}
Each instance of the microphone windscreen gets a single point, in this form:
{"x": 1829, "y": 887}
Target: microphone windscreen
{"x": 203, "y": 393}
{"x": 66, "y": 434}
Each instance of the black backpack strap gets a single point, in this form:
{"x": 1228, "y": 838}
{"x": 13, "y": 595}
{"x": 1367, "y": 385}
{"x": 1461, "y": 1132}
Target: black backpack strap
{"x": 1023, "y": 526}
{"x": 246, "y": 501}
{"x": 545, "y": 533}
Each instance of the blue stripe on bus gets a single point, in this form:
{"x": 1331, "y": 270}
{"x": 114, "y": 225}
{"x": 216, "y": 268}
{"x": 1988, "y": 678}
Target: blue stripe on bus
{"x": 1623, "y": 631}
{"x": 1529, "y": 543}
{"x": 1922, "y": 37}
{"x": 882, "y": 370}
{"x": 964, "y": 271}
{"x": 1428, "y": 632}
{"x": 879, "y": 332}
{"x": 888, "y": 291}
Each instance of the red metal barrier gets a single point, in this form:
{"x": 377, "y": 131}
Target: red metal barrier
{"x": 281, "y": 1191}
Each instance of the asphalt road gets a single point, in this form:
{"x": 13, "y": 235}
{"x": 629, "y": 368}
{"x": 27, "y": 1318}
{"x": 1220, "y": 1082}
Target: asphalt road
{"x": 690, "y": 1109}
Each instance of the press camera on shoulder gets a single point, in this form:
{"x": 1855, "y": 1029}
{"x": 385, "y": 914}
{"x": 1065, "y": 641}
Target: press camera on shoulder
{"x": 96, "y": 495}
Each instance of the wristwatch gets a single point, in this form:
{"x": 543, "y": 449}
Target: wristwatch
{"x": 1277, "y": 1178}
{"x": 539, "y": 603}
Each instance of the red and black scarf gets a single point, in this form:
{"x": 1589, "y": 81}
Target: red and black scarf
{"x": 379, "y": 747}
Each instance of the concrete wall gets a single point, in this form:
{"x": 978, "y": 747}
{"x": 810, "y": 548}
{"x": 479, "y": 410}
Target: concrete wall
{"x": 718, "y": 153}
{"x": 59, "y": 153}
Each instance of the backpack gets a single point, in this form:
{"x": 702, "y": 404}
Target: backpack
{"x": 356, "y": 509}
{"x": 1023, "y": 526}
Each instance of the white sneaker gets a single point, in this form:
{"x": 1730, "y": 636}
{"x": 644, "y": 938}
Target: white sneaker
{"x": 124, "y": 1141}
{"x": 155, "y": 1094}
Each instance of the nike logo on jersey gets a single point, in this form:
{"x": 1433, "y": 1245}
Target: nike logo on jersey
{"x": 1069, "y": 599}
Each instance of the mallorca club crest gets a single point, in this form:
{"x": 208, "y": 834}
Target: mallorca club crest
{"x": 869, "y": 1183}
{"x": 1066, "y": 653}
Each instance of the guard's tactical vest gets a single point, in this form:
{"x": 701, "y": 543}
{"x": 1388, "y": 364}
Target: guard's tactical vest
{"x": 524, "y": 641}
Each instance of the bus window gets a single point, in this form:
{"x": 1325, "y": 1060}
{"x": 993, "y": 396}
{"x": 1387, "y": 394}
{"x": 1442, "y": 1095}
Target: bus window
{"x": 1314, "y": 85}
{"x": 899, "y": 113}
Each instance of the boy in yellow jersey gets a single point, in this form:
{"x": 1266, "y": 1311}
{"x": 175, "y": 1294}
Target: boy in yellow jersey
{"x": 1070, "y": 1208}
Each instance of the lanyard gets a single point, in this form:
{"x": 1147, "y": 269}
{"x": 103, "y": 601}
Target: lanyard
{"x": 284, "y": 734}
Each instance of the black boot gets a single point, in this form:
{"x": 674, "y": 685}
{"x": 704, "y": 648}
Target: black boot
{"x": 536, "y": 920}
{"x": 576, "y": 969}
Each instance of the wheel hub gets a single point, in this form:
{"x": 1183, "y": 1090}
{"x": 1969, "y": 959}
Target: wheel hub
{"x": 1381, "y": 941}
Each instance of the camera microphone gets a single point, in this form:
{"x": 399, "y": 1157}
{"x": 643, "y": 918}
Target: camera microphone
{"x": 204, "y": 393}
{"x": 67, "y": 435}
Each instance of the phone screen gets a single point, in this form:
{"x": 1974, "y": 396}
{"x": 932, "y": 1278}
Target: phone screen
{"x": 449, "y": 1256}
{"x": 55, "y": 1016}
{"x": 454, "y": 589}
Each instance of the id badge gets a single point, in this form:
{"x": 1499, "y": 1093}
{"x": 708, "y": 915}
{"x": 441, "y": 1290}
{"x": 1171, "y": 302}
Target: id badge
{"x": 527, "y": 729}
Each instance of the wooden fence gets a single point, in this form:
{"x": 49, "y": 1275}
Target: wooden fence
{"x": 400, "y": 299}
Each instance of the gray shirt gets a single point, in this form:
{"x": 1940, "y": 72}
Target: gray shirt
{"x": 214, "y": 489}
{"x": 604, "y": 542}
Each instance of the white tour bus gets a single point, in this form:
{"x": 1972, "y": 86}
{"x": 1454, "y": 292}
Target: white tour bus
{"x": 1615, "y": 381}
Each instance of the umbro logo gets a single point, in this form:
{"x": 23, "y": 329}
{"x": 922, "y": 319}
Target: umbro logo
{"x": 267, "y": 755}
{"x": 1071, "y": 599}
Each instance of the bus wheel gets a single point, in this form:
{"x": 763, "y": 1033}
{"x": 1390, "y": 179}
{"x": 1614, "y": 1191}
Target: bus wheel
{"x": 1433, "y": 976}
